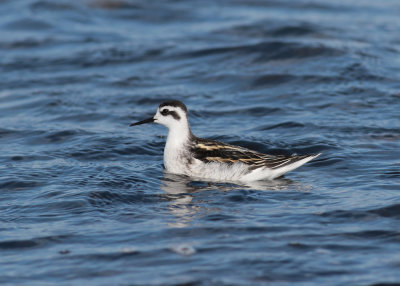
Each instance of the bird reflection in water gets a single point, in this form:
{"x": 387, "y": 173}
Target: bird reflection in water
{"x": 180, "y": 191}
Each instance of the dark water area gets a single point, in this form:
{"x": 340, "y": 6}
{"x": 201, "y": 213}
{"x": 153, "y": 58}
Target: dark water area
{"x": 84, "y": 199}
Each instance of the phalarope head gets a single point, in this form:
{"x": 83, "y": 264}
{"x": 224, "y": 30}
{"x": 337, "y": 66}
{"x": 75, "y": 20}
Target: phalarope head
{"x": 172, "y": 114}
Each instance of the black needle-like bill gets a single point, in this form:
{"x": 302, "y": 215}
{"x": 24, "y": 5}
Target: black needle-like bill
{"x": 148, "y": 120}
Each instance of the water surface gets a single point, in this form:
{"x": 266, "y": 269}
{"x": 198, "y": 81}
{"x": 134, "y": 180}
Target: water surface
{"x": 84, "y": 199}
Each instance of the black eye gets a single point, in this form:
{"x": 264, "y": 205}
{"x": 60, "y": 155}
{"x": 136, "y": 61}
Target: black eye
{"x": 164, "y": 111}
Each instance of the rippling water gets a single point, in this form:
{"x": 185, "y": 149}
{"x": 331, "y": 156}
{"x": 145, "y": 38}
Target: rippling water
{"x": 83, "y": 197}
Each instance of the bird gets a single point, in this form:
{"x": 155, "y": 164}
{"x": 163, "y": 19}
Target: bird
{"x": 187, "y": 154}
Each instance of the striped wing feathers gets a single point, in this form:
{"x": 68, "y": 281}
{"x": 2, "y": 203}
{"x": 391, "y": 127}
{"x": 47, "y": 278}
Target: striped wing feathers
{"x": 213, "y": 151}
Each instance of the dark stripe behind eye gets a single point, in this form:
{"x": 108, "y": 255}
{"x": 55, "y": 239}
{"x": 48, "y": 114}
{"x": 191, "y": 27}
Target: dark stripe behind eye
{"x": 175, "y": 115}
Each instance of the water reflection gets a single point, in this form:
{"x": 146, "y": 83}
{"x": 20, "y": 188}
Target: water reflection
{"x": 180, "y": 191}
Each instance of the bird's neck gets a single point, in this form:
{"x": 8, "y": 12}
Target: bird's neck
{"x": 176, "y": 148}
{"x": 178, "y": 136}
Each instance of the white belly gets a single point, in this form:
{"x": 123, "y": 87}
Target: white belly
{"x": 216, "y": 171}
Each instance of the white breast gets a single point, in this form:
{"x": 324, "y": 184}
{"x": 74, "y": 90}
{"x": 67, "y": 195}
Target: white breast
{"x": 176, "y": 156}
{"x": 173, "y": 160}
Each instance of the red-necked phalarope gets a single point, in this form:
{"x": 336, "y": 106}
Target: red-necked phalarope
{"x": 189, "y": 155}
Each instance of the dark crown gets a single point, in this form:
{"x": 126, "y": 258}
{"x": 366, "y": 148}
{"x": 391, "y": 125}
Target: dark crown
{"x": 174, "y": 103}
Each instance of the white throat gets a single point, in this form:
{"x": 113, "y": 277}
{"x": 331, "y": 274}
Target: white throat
{"x": 175, "y": 150}
{"x": 178, "y": 134}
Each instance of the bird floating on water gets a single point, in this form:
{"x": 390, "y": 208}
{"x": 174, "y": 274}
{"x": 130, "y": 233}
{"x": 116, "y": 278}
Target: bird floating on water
{"x": 186, "y": 154}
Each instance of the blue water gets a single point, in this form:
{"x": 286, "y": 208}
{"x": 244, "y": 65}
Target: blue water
{"x": 83, "y": 196}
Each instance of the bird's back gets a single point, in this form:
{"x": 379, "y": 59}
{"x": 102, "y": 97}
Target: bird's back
{"x": 222, "y": 161}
